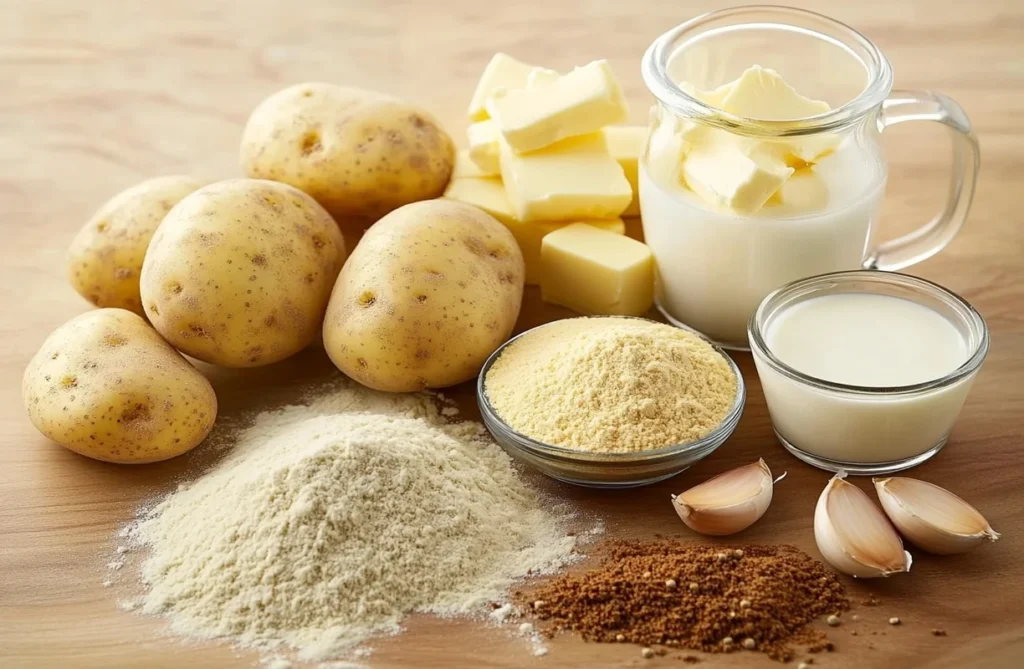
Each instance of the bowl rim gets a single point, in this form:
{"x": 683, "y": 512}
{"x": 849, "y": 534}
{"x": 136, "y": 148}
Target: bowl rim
{"x": 790, "y": 293}
{"x": 717, "y": 436}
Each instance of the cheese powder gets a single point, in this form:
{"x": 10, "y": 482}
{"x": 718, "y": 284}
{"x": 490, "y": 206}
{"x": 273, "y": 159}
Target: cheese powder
{"x": 610, "y": 385}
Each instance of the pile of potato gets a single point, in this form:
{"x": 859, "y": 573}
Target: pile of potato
{"x": 247, "y": 272}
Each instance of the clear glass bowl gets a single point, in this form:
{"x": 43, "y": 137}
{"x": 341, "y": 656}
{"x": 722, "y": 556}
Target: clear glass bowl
{"x": 862, "y": 429}
{"x": 605, "y": 470}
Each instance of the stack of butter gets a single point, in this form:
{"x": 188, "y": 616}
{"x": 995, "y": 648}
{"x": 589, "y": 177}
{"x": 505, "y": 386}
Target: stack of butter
{"x": 546, "y": 160}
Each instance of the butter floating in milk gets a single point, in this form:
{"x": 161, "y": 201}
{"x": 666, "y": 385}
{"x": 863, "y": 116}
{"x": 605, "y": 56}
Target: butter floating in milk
{"x": 742, "y": 173}
{"x": 718, "y": 169}
{"x": 552, "y": 109}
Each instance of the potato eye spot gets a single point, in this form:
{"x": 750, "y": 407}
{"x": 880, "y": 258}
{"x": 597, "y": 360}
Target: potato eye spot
{"x": 362, "y": 362}
{"x": 367, "y": 299}
{"x": 123, "y": 273}
{"x": 434, "y": 274}
{"x": 138, "y": 413}
{"x": 102, "y": 226}
{"x": 310, "y": 142}
{"x": 155, "y": 310}
{"x": 259, "y": 260}
{"x": 421, "y": 298}
{"x": 174, "y": 288}
{"x": 318, "y": 242}
{"x": 498, "y": 252}
{"x": 69, "y": 382}
{"x": 114, "y": 340}
{"x": 307, "y": 93}
{"x": 55, "y": 355}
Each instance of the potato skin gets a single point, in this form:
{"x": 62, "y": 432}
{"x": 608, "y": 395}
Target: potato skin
{"x": 358, "y": 153}
{"x": 107, "y": 386}
{"x": 105, "y": 257}
{"x": 429, "y": 293}
{"x": 240, "y": 271}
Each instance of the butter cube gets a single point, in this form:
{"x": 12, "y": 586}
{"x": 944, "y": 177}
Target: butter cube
{"x": 592, "y": 271}
{"x": 575, "y": 179}
{"x": 502, "y": 72}
{"x": 530, "y": 237}
{"x": 483, "y": 146}
{"x": 540, "y": 76}
{"x": 626, "y": 144}
{"x": 719, "y": 170}
{"x": 465, "y": 167}
{"x": 581, "y": 102}
{"x": 488, "y": 194}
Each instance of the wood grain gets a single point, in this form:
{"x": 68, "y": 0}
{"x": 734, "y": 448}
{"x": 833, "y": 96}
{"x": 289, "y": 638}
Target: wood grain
{"x": 100, "y": 95}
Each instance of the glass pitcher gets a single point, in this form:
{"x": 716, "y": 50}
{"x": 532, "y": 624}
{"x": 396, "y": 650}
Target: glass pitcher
{"x": 715, "y": 265}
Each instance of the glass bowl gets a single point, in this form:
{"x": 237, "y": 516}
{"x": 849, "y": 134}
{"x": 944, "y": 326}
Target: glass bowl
{"x": 863, "y": 429}
{"x": 605, "y": 470}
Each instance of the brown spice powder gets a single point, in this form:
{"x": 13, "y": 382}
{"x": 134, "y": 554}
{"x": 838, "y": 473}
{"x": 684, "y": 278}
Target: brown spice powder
{"x": 626, "y": 598}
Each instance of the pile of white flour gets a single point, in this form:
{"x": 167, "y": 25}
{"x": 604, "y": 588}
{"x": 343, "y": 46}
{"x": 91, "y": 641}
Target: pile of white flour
{"x": 328, "y": 523}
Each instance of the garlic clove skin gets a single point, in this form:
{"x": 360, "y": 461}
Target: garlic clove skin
{"x": 932, "y": 518}
{"x": 727, "y": 503}
{"x": 853, "y": 534}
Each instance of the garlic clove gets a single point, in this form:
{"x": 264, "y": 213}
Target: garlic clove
{"x": 853, "y": 534}
{"x": 932, "y": 518}
{"x": 727, "y": 503}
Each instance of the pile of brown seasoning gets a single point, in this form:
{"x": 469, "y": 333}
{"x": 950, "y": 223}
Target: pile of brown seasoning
{"x": 700, "y": 597}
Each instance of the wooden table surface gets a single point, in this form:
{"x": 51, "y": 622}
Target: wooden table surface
{"x": 97, "y": 96}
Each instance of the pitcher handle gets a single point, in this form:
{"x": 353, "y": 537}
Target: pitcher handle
{"x": 932, "y": 237}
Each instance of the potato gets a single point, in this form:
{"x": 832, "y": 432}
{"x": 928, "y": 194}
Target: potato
{"x": 106, "y": 255}
{"x": 359, "y": 153}
{"x": 431, "y": 290}
{"x": 107, "y": 386}
{"x": 239, "y": 273}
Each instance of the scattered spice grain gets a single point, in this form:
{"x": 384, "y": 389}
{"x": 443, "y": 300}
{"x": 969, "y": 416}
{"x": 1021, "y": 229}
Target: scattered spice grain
{"x": 624, "y": 598}
{"x": 833, "y": 620}
{"x": 938, "y": 632}
{"x": 647, "y": 653}
{"x": 894, "y": 621}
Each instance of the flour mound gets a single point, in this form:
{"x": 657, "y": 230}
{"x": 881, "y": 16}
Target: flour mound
{"x": 329, "y": 523}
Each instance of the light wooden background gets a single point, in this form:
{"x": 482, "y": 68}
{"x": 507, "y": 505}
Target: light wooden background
{"x": 95, "y": 96}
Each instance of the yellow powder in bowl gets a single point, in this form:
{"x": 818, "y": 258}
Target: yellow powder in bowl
{"x": 611, "y": 385}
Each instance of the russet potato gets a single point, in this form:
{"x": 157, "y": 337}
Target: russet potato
{"x": 359, "y": 153}
{"x": 107, "y": 386}
{"x": 105, "y": 258}
{"x": 429, "y": 293}
{"x": 240, "y": 271}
